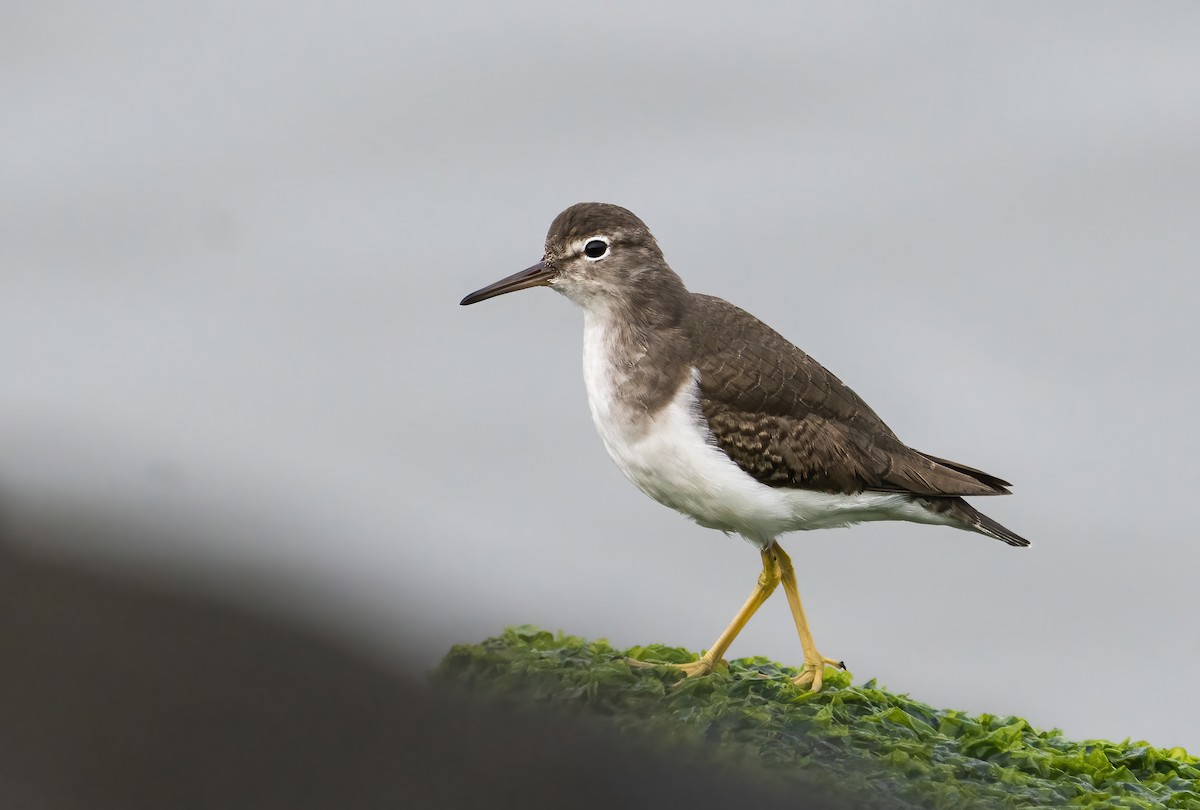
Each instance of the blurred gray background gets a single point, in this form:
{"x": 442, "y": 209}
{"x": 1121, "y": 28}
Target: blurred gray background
{"x": 233, "y": 238}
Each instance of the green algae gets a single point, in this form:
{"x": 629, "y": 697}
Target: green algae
{"x": 888, "y": 749}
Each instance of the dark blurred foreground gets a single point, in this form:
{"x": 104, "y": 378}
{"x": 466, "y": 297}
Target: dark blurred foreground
{"x": 121, "y": 692}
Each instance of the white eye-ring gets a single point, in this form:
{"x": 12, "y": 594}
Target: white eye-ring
{"x": 596, "y": 248}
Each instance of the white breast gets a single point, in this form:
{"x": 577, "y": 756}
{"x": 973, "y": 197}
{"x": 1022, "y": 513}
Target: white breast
{"x": 672, "y": 457}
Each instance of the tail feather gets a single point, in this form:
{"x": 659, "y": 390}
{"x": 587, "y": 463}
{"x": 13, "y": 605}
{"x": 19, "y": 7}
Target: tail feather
{"x": 985, "y": 525}
{"x": 971, "y": 518}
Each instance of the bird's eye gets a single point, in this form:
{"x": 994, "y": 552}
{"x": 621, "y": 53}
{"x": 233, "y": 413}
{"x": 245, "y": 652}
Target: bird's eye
{"x": 595, "y": 249}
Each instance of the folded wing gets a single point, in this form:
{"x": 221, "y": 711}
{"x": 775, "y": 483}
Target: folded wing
{"x": 784, "y": 419}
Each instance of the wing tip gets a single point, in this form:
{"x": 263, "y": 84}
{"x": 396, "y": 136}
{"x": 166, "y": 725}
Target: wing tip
{"x": 994, "y": 483}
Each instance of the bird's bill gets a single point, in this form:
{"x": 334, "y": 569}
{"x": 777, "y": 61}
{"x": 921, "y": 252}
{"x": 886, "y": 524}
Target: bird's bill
{"x": 537, "y": 276}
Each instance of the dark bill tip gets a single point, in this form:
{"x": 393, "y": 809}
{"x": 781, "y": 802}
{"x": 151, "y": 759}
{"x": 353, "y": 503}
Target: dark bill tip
{"x": 537, "y": 276}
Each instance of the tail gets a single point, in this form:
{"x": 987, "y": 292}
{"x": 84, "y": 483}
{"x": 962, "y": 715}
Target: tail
{"x": 970, "y": 518}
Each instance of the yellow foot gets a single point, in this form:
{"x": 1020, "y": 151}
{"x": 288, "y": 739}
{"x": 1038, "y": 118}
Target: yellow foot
{"x": 691, "y": 669}
{"x": 696, "y": 668}
{"x": 813, "y": 671}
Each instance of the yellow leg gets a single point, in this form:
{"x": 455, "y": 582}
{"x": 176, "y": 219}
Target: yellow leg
{"x": 814, "y": 663}
{"x": 768, "y": 580}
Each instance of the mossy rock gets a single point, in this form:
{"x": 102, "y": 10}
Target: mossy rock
{"x": 886, "y": 748}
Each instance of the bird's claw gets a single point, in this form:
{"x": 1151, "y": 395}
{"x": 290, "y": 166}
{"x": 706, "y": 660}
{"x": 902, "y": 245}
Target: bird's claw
{"x": 813, "y": 672}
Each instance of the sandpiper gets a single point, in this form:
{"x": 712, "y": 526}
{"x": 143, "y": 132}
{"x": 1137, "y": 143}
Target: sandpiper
{"x": 709, "y": 411}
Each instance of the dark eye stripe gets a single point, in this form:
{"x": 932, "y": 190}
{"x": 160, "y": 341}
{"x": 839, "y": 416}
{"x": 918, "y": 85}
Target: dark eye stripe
{"x": 595, "y": 249}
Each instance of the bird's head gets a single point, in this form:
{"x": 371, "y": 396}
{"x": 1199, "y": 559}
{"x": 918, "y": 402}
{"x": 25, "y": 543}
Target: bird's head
{"x": 600, "y": 256}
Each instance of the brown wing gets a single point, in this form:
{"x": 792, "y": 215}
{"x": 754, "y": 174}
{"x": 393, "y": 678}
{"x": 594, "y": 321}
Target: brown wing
{"x": 787, "y": 421}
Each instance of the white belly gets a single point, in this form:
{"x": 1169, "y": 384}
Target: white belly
{"x": 672, "y": 457}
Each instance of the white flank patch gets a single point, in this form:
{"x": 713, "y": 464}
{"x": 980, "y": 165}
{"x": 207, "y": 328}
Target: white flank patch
{"x": 672, "y": 457}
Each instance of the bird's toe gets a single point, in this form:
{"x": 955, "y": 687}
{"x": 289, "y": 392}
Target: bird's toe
{"x": 694, "y": 669}
{"x": 812, "y": 673}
